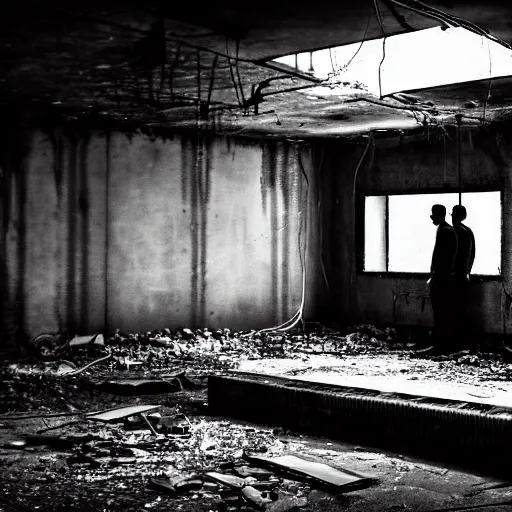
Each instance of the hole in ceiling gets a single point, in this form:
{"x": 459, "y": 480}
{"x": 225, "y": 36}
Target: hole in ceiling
{"x": 416, "y": 60}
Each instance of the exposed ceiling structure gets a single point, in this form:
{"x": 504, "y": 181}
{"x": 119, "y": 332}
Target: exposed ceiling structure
{"x": 189, "y": 65}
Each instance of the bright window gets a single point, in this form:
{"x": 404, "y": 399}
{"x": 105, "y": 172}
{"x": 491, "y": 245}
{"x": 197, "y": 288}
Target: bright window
{"x": 399, "y": 234}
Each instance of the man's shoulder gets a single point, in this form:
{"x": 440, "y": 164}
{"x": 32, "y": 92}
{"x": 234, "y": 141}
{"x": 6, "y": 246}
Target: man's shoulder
{"x": 463, "y": 230}
{"x": 446, "y": 228}
{"x": 467, "y": 228}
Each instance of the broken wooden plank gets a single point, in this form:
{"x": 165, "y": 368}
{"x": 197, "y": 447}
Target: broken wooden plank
{"x": 227, "y": 480}
{"x": 148, "y": 423}
{"x": 323, "y": 474}
{"x": 122, "y": 412}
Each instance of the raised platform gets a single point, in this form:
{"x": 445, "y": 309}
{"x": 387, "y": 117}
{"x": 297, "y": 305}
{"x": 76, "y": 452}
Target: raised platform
{"x": 469, "y": 431}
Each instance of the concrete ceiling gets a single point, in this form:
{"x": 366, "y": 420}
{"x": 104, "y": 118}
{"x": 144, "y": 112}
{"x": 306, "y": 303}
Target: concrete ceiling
{"x": 166, "y": 64}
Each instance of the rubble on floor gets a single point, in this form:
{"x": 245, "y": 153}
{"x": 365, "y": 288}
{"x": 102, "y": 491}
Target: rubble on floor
{"x": 151, "y": 362}
{"x": 176, "y": 457}
{"x": 216, "y": 462}
{"x": 223, "y": 348}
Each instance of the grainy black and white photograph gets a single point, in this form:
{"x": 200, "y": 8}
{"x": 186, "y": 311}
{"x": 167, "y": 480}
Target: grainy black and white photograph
{"x": 256, "y": 256}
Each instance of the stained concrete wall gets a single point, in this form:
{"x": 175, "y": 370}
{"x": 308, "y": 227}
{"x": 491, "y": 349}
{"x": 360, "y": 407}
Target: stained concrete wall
{"x": 409, "y": 165}
{"x": 105, "y": 230}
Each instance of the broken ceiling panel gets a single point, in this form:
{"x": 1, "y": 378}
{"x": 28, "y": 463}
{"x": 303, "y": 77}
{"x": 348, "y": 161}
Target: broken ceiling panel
{"x": 413, "y": 61}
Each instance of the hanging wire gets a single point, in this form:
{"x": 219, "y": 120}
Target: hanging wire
{"x": 237, "y": 54}
{"x": 297, "y": 317}
{"x": 232, "y": 74}
{"x": 363, "y": 40}
{"x": 377, "y": 11}
{"x": 332, "y": 62}
{"x": 490, "y": 80}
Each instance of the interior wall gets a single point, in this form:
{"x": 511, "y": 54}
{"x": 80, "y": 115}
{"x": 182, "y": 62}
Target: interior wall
{"x": 409, "y": 165}
{"x": 105, "y": 230}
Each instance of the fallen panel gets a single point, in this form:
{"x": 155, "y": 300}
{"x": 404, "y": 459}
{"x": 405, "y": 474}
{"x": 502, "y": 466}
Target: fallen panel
{"x": 123, "y": 412}
{"x": 334, "y": 478}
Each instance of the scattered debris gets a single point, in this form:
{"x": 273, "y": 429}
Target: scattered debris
{"x": 287, "y": 504}
{"x": 175, "y": 424}
{"x": 255, "y": 497}
{"x": 190, "y": 459}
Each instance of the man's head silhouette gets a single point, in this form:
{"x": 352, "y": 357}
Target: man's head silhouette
{"x": 438, "y": 214}
{"x": 458, "y": 214}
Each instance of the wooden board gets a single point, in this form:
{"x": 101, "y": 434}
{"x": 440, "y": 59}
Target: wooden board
{"x": 123, "y": 412}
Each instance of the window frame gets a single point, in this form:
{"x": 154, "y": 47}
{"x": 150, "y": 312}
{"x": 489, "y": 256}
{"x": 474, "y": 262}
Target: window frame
{"x": 360, "y": 231}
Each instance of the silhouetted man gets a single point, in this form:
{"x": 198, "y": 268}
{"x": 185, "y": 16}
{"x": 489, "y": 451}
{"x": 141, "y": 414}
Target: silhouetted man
{"x": 464, "y": 260}
{"x": 441, "y": 285}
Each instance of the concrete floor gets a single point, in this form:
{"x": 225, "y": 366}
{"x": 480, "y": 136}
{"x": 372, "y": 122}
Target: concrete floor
{"x": 404, "y": 483}
{"x": 38, "y": 479}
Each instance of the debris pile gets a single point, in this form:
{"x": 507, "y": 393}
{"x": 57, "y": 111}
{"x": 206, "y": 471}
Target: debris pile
{"x": 218, "y": 463}
{"x": 223, "y": 348}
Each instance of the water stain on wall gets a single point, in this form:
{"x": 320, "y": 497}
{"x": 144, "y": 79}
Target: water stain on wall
{"x": 56, "y": 139}
{"x": 83, "y": 207}
{"x": 204, "y": 196}
{"x": 285, "y": 230}
{"x": 71, "y": 267}
{"x": 15, "y": 145}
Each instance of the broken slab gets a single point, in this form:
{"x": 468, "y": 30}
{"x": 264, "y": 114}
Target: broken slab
{"x": 115, "y": 415}
{"x": 337, "y": 480}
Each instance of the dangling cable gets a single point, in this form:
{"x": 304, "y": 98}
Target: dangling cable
{"x": 362, "y": 42}
{"x": 232, "y": 74}
{"x": 377, "y": 11}
{"x": 356, "y": 173}
{"x": 297, "y": 317}
{"x": 490, "y": 81}
{"x": 237, "y": 56}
